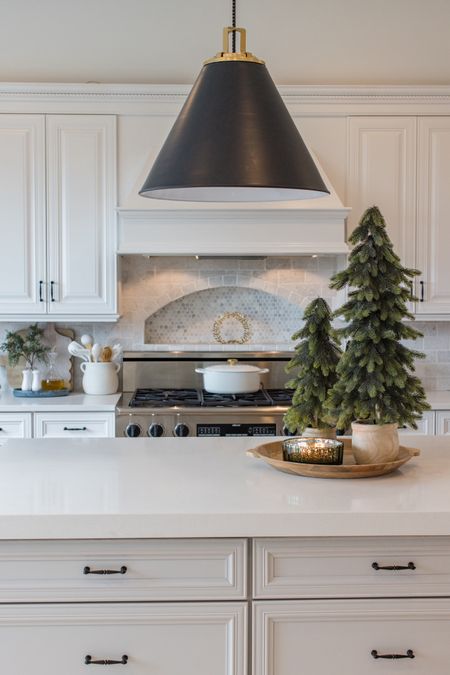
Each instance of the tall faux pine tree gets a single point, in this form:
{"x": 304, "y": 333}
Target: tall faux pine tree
{"x": 376, "y": 382}
{"x": 314, "y": 363}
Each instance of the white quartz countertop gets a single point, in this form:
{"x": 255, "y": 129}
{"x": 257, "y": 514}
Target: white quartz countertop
{"x": 72, "y": 403}
{"x": 109, "y": 488}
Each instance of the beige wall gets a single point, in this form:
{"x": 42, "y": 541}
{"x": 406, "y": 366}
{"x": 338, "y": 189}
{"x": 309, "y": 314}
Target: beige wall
{"x": 165, "y": 41}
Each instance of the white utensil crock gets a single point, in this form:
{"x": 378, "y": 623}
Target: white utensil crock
{"x": 100, "y": 379}
{"x": 234, "y": 378}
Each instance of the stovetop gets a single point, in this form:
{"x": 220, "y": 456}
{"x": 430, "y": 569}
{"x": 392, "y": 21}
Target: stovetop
{"x": 199, "y": 398}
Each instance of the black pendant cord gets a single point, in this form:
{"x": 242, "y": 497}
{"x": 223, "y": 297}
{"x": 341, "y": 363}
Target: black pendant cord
{"x": 233, "y": 23}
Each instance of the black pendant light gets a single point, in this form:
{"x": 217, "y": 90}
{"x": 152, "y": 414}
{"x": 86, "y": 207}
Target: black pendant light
{"x": 234, "y": 139}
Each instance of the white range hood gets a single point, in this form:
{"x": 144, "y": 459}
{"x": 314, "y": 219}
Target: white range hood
{"x": 272, "y": 228}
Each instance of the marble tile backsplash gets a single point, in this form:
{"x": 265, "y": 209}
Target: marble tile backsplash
{"x": 171, "y": 303}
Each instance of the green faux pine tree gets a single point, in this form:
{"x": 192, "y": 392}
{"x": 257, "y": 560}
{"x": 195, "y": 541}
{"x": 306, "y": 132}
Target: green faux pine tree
{"x": 376, "y": 382}
{"x": 315, "y": 360}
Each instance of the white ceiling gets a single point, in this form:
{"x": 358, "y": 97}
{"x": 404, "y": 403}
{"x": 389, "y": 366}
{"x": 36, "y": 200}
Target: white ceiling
{"x": 165, "y": 41}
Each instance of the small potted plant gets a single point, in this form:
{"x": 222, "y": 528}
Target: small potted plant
{"x": 376, "y": 389}
{"x": 314, "y": 363}
{"x": 31, "y": 348}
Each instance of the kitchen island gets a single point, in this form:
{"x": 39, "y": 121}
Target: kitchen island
{"x": 113, "y": 551}
{"x": 199, "y": 487}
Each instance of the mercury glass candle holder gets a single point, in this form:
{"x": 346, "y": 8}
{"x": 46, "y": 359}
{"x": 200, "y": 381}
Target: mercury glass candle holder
{"x": 313, "y": 450}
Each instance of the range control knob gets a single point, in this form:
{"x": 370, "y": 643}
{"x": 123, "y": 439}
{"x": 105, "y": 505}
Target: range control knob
{"x": 133, "y": 430}
{"x": 286, "y": 432}
{"x": 181, "y": 430}
{"x": 155, "y": 430}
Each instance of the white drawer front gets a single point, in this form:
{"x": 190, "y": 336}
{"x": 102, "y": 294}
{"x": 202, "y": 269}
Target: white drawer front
{"x": 336, "y": 636}
{"x": 74, "y": 425}
{"x": 195, "y": 569}
{"x": 443, "y": 422}
{"x": 172, "y": 639}
{"x": 344, "y": 567}
{"x": 426, "y": 425}
{"x": 15, "y": 425}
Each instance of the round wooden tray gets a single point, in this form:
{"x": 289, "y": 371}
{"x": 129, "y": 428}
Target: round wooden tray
{"x": 272, "y": 453}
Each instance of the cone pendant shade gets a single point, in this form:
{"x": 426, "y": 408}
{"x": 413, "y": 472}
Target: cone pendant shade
{"x": 234, "y": 140}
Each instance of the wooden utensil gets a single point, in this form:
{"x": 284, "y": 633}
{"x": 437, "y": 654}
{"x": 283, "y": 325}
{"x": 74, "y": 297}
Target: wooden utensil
{"x": 106, "y": 354}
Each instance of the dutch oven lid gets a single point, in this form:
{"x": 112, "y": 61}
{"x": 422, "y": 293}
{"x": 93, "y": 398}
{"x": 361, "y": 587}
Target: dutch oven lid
{"x": 233, "y": 366}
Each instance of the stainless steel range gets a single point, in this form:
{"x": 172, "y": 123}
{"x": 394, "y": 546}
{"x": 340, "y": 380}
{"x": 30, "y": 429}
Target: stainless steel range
{"x": 163, "y": 396}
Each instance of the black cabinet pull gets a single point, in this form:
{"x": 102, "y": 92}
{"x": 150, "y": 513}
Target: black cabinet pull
{"x": 394, "y": 568}
{"x": 41, "y": 298}
{"x": 105, "y": 662}
{"x": 52, "y": 296}
{"x": 87, "y": 570}
{"x": 75, "y": 429}
{"x": 1, "y": 428}
{"x": 409, "y": 655}
{"x": 422, "y": 291}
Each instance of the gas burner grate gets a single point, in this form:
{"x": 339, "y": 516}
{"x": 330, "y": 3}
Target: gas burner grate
{"x": 281, "y": 396}
{"x": 256, "y": 399}
{"x": 163, "y": 398}
{"x": 195, "y": 398}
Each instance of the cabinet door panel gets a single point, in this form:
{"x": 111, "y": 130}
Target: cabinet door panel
{"x": 81, "y": 199}
{"x": 443, "y": 422}
{"x": 433, "y": 231}
{"x": 334, "y": 636}
{"x": 22, "y": 214}
{"x": 171, "y": 639}
{"x": 381, "y": 172}
{"x": 426, "y": 425}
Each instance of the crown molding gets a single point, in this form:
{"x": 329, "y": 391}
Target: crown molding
{"x": 168, "y": 98}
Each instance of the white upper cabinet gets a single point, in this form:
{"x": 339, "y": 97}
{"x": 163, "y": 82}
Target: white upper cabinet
{"x": 57, "y": 217}
{"x": 402, "y": 164}
{"x": 433, "y": 216}
{"x": 382, "y": 172}
{"x": 22, "y": 214}
{"x": 81, "y": 217}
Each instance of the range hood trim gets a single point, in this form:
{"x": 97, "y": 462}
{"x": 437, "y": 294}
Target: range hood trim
{"x": 232, "y": 232}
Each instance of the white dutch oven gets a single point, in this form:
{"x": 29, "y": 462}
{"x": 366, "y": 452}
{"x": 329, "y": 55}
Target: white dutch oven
{"x": 231, "y": 378}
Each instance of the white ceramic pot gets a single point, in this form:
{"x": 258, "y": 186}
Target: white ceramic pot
{"x": 326, "y": 432}
{"x": 231, "y": 378}
{"x": 100, "y": 379}
{"x": 374, "y": 443}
